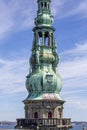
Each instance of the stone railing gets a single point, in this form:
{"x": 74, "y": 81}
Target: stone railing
{"x": 53, "y": 122}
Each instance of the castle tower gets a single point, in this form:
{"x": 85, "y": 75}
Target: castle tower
{"x": 44, "y": 105}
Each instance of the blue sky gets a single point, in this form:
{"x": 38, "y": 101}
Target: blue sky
{"x": 16, "y": 37}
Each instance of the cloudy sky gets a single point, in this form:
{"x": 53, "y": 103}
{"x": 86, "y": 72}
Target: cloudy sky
{"x": 16, "y": 36}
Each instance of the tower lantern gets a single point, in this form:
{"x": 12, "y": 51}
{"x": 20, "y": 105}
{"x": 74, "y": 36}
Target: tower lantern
{"x": 44, "y": 105}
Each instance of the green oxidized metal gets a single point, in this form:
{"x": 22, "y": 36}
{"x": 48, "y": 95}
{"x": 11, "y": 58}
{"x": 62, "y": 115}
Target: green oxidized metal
{"x": 43, "y": 78}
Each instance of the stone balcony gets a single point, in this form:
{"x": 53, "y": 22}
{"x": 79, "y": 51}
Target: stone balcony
{"x": 44, "y": 123}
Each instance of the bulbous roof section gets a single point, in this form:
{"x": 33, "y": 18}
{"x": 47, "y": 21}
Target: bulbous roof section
{"x": 44, "y": 19}
{"x": 43, "y": 82}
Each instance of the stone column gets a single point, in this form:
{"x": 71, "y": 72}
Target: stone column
{"x": 47, "y": 5}
{"x": 50, "y": 41}
{"x": 34, "y": 37}
{"x": 39, "y": 6}
{"x": 37, "y": 38}
{"x": 43, "y": 35}
{"x": 53, "y": 44}
{"x": 43, "y": 5}
{"x": 26, "y": 112}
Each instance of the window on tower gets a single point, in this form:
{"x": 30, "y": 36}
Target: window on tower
{"x": 45, "y": 5}
{"x": 40, "y": 38}
{"x": 36, "y": 115}
{"x": 49, "y": 114}
{"x": 42, "y": 4}
{"x": 46, "y": 39}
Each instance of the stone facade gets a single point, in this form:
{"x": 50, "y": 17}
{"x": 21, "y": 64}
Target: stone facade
{"x": 44, "y": 109}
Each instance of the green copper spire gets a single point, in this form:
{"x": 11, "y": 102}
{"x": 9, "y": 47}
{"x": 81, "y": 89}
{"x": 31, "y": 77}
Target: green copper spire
{"x": 43, "y": 80}
{"x": 44, "y": 105}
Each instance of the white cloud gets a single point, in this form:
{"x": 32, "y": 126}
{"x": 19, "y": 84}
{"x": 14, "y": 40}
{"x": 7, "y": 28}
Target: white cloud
{"x": 73, "y": 70}
{"x": 63, "y": 8}
{"x": 13, "y": 74}
{"x": 19, "y": 14}
{"x": 80, "y": 9}
{"x": 74, "y": 63}
{"x": 15, "y": 15}
{"x": 6, "y": 21}
{"x": 56, "y": 6}
{"x": 78, "y": 102}
{"x": 76, "y": 108}
{"x": 80, "y": 48}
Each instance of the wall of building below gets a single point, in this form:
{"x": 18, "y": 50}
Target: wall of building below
{"x": 39, "y": 109}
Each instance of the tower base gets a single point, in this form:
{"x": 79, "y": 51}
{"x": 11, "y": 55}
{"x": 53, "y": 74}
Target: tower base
{"x": 44, "y": 115}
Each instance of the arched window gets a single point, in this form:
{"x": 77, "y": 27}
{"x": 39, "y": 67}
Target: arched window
{"x": 40, "y": 38}
{"x": 49, "y": 114}
{"x": 41, "y": 4}
{"x": 36, "y": 115}
{"x": 45, "y": 5}
{"x": 46, "y": 39}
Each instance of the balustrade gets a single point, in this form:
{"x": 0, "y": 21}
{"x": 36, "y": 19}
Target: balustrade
{"x": 55, "y": 122}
